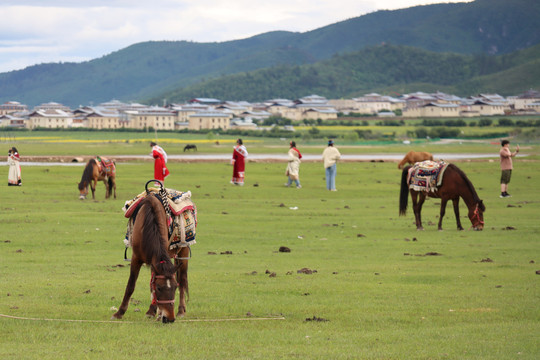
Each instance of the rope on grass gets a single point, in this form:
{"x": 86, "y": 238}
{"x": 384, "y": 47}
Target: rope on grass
{"x": 132, "y": 322}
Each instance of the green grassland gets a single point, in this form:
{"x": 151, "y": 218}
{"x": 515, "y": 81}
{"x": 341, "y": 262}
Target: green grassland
{"x": 91, "y": 143}
{"x": 382, "y": 296}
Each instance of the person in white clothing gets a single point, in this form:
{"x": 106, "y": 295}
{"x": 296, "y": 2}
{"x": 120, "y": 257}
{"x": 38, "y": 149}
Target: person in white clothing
{"x": 330, "y": 157}
{"x": 14, "y": 175}
{"x": 293, "y": 165}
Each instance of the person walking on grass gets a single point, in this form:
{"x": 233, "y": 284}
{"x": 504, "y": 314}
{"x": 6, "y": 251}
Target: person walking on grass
{"x": 238, "y": 162}
{"x": 506, "y": 166}
{"x": 14, "y": 175}
{"x": 293, "y": 166}
{"x": 160, "y": 162}
{"x": 330, "y": 157}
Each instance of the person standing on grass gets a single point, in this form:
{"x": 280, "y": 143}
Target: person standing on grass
{"x": 293, "y": 165}
{"x": 506, "y": 166}
{"x": 14, "y": 175}
{"x": 330, "y": 157}
{"x": 160, "y": 162}
{"x": 238, "y": 162}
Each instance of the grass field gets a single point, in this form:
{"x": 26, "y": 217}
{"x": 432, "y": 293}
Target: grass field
{"x": 375, "y": 293}
{"x": 91, "y": 143}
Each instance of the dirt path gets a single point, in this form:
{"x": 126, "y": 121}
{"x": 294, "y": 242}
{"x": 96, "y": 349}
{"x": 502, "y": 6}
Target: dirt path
{"x": 252, "y": 158}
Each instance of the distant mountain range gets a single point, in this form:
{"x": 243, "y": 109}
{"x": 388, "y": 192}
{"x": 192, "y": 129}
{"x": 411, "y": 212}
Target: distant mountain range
{"x": 483, "y": 42}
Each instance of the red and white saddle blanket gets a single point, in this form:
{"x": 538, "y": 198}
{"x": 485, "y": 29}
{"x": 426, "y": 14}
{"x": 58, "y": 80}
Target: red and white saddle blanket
{"x": 182, "y": 221}
{"x": 426, "y": 175}
{"x": 106, "y": 166}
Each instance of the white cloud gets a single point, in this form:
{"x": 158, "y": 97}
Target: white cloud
{"x": 35, "y": 31}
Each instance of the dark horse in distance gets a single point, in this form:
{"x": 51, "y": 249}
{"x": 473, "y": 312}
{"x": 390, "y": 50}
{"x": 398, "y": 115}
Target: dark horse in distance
{"x": 97, "y": 170}
{"x": 455, "y": 185}
{"x": 190, "y": 147}
{"x": 150, "y": 246}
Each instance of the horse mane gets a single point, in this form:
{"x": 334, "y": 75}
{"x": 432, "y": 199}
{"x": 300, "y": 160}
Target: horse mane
{"x": 87, "y": 173}
{"x": 476, "y": 198}
{"x": 154, "y": 241}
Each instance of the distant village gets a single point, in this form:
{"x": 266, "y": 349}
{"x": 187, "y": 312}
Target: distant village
{"x": 207, "y": 113}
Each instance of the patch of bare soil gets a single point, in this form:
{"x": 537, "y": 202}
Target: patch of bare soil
{"x": 431, "y": 253}
{"x": 306, "y": 271}
{"x": 318, "y": 319}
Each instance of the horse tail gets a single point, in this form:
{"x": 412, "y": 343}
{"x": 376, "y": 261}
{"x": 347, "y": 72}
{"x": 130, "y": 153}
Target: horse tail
{"x": 404, "y": 192}
{"x": 110, "y": 184}
{"x": 183, "y": 277}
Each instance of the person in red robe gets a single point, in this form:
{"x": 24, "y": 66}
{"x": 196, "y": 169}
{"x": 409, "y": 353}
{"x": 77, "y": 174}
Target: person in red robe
{"x": 160, "y": 162}
{"x": 239, "y": 163}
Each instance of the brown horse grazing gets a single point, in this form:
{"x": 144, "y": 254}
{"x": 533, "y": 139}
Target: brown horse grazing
{"x": 93, "y": 173}
{"x": 413, "y": 157}
{"x": 149, "y": 245}
{"x": 455, "y": 184}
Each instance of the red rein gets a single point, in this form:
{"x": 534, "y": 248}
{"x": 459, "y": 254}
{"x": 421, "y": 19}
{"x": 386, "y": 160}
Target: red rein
{"x": 476, "y": 215}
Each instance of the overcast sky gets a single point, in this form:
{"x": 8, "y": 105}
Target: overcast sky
{"x": 41, "y": 31}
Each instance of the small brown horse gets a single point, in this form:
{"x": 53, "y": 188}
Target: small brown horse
{"x": 92, "y": 174}
{"x": 149, "y": 245}
{"x": 455, "y": 184}
{"x": 413, "y": 157}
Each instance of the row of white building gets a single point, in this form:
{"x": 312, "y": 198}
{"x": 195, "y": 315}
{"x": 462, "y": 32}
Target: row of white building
{"x": 206, "y": 113}
{"x": 197, "y": 114}
{"x": 423, "y": 105}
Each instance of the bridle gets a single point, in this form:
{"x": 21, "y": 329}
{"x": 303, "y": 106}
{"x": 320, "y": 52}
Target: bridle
{"x": 155, "y": 300}
{"x": 476, "y": 216}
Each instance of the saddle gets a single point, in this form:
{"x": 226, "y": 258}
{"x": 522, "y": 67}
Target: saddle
{"x": 426, "y": 175}
{"x": 181, "y": 215}
{"x": 106, "y": 166}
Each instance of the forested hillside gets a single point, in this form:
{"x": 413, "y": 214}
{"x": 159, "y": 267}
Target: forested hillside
{"x": 385, "y": 68}
{"x": 145, "y": 70}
